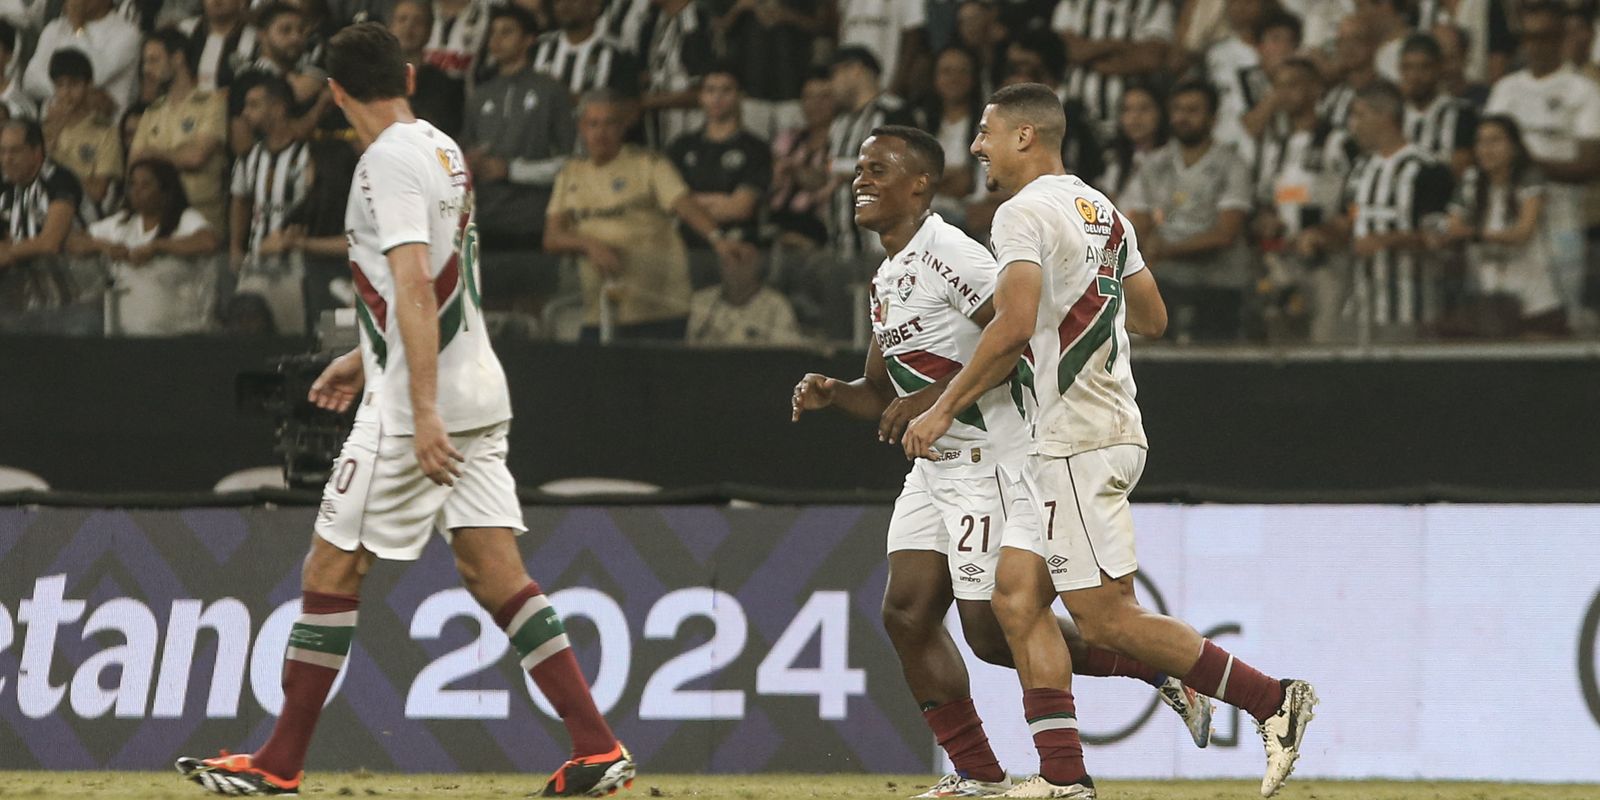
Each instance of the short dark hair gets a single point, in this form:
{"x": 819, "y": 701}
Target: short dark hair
{"x": 174, "y": 42}
{"x": 1422, "y": 43}
{"x": 365, "y": 60}
{"x": 1035, "y": 104}
{"x": 1052, "y": 51}
{"x": 1201, "y": 88}
{"x": 276, "y": 88}
{"x": 1273, "y": 20}
{"x": 8, "y": 37}
{"x": 517, "y": 14}
{"x": 270, "y": 12}
{"x": 1384, "y": 98}
{"x": 925, "y": 149}
{"x": 725, "y": 68}
{"x": 32, "y": 134}
{"x": 856, "y": 54}
{"x": 70, "y": 62}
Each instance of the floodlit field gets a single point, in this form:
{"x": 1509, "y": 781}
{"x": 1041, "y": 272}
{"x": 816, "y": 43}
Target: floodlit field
{"x": 150, "y": 785}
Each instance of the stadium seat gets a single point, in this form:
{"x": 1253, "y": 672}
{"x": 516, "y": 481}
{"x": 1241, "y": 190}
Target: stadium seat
{"x": 253, "y": 478}
{"x": 568, "y": 487}
{"x": 16, "y": 480}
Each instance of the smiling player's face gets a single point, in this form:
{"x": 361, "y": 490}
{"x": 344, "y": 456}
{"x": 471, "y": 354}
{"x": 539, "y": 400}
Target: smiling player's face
{"x": 886, "y": 187}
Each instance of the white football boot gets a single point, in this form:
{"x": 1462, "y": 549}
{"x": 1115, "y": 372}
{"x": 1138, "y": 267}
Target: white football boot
{"x": 957, "y": 785}
{"x": 1283, "y": 732}
{"x": 1037, "y": 786}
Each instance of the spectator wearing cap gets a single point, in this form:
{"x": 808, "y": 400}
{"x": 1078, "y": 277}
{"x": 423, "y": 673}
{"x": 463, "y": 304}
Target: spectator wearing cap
{"x": 519, "y": 132}
{"x": 894, "y": 31}
{"x": 16, "y": 102}
{"x": 78, "y": 137}
{"x": 726, "y": 168}
{"x": 1189, "y": 202}
{"x": 440, "y": 98}
{"x": 111, "y": 42}
{"x": 38, "y": 209}
{"x": 1559, "y": 111}
{"x": 1108, "y": 43}
{"x": 856, "y": 77}
{"x": 186, "y": 125}
{"x": 770, "y": 43}
{"x": 1440, "y": 125}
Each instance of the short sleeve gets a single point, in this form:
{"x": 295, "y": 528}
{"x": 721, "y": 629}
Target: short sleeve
{"x": 240, "y": 185}
{"x": 1586, "y": 126}
{"x": 62, "y": 187}
{"x": 1235, "y": 195}
{"x": 558, "y": 193}
{"x": 108, "y": 229}
{"x": 1135, "y": 263}
{"x": 1136, "y": 196}
{"x": 667, "y": 184}
{"x": 1017, "y": 235}
{"x": 972, "y": 274}
{"x": 1156, "y": 23}
{"x": 392, "y": 188}
{"x": 190, "y": 223}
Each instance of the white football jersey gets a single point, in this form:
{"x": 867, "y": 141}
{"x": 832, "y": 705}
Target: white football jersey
{"x": 922, "y": 303}
{"x": 1076, "y": 363}
{"x": 412, "y": 186}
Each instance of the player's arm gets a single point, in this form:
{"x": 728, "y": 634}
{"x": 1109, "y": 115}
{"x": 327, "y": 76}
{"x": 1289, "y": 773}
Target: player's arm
{"x": 865, "y": 397}
{"x": 1147, "y": 312}
{"x": 1016, "y": 311}
{"x": 417, "y": 313}
{"x": 339, "y": 384}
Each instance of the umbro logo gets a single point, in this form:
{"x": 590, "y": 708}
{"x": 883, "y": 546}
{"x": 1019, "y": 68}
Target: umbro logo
{"x": 971, "y": 569}
{"x": 1057, "y": 562}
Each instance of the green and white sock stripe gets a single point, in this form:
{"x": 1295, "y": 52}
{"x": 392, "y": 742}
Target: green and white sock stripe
{"x": 1065, "y": 720}
{"x": 322, "y": 639}
{"x": 536, "y": 631}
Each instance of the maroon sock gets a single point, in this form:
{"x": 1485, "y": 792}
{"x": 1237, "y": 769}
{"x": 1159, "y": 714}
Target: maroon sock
{"x": 1104, "y": 663}
{"x": 319, "y": 642}
{"x": 541, "y": 640}
{"x": 1218, "y": 674}
{"x": 1054, "y": 723}
{"x": 959, "y": 731}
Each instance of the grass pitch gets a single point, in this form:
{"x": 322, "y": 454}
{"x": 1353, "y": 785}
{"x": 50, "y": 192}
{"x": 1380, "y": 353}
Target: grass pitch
{"x": 152, "y": 785}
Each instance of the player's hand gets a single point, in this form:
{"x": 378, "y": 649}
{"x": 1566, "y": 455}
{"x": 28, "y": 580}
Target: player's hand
{"x": 924, "y": 431}
{"x": 901, "y": 410}
{"x": 812, "y": 393}
{"x": 438, "y": 458}
{"x": 339, "y": 384}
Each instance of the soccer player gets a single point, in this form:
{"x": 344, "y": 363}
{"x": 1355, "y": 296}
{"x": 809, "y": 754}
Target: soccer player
{"x": 1072, "y": 285}
{"x": 930, "y": 299}
{"x": 428, "y": 449}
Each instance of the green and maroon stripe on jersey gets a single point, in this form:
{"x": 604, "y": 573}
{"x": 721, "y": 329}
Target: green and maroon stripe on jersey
{"x": 1090, "y": 322}
{"x": 373, "y": 313}
{"x": 919, "y": 368}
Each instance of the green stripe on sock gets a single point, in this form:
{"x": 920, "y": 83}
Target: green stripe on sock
{"x": 322, "y": 638}
{"x": 540, "y": 628}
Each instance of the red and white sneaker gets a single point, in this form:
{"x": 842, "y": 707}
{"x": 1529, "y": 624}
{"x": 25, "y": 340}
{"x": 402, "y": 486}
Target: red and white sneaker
{"x": 593, "y": 776}
{"x": 236, "y": 776}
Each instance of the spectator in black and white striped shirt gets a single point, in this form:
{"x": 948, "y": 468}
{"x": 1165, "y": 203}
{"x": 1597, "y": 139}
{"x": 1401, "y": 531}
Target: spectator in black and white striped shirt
{"x": 581, "y": 56}
{"x": 1108, "y": 43}
{"x": 1440, "y": 125}
{"x": 269, "y": 182}
{"x": 856, "y": 76}
{"x": 224, "y": 40}
{"x": 38, "y": 208}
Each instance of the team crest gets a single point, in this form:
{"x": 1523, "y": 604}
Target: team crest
{"x": 618, "y": 184}
{"x": 450, "y": 160}
{"x": 904, "y": 285}
{"x": 1096, "y": 217}
{"x": 530, "y": 100}
{"x": 691, "y": 159}
{"x": 188, "y": 124}
{"x": 732, "y": 160}
{"x": 86, "y": 152}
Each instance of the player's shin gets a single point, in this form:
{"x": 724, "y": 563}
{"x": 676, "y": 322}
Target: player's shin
{"x": 959, "y": 730}
{"x": 536, "y": 632}
{"x": 1095, "y": 662}
{"x": 1216, "y": 673}
{"x": 319, "y": 643}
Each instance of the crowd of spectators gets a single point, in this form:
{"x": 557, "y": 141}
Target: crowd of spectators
{"x": 1298, "y": 170}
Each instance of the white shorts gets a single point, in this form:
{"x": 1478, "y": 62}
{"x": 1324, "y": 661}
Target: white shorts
{"x": 378, "y": 498}
{"x": 961, "y": 517}
{"x": 1074, "y": 513}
